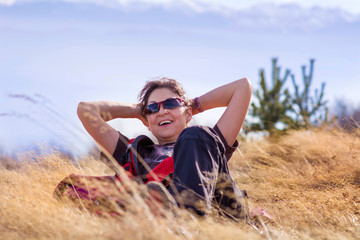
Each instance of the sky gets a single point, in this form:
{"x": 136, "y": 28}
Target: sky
{"x": 56, "y": 53}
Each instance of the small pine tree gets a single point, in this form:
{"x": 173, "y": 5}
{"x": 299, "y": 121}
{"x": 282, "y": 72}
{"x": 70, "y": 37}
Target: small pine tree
{"x": 308, "y": 110}
{"x": 273, "y": 101}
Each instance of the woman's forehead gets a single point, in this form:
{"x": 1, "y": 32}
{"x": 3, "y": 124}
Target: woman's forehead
{"x": 161, "y": 94}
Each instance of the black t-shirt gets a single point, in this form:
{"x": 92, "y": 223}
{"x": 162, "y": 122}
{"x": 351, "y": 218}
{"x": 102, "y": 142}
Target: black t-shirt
{"x": 155, "y": 154}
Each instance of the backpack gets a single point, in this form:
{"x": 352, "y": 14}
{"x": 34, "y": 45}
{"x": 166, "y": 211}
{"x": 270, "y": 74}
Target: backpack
{"x": 131, "y": 161}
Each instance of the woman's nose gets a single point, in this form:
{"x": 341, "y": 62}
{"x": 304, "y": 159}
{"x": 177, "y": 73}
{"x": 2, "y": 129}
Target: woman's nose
{"x": 162, "y": 109}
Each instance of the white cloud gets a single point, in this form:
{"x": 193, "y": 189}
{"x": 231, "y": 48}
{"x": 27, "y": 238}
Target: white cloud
{"x": 351, "y": 6}
{"x": 284, "y": 15}
{"x": 7, "y": 2}
{"x": 287, "y": 17}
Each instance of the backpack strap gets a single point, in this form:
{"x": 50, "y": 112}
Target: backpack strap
{"x": 130, "y": 158}
{"x": 161, "y": 171}
{"x": 127, "y": 161}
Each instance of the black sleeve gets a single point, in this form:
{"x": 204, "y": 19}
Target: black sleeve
{"x": 229, "y": 150}
{"x": 120, "y": 147}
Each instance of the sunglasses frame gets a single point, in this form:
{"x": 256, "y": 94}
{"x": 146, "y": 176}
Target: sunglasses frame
{"x": 147, "y": 111}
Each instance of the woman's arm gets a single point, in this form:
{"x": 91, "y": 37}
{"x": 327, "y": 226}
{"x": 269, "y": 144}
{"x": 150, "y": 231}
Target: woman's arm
{"x": 94, "y": 116}
{"x": 236, "y": 97}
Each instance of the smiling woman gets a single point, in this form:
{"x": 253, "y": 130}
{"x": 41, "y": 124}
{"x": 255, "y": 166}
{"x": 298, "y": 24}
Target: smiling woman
{"x": 192, "y": 160}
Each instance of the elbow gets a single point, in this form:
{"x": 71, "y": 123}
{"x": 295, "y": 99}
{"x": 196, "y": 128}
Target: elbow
{"x": 82, "y": 107}
{"x": 245, "y": 85}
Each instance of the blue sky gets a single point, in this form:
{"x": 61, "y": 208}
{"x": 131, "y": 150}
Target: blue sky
{"x": 57, "y": 53}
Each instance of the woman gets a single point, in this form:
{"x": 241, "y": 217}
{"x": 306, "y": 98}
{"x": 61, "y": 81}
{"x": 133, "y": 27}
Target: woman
{"x": 201, "y": 176}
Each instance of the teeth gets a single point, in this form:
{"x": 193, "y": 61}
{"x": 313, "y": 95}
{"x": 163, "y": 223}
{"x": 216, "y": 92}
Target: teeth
{"x": 164, "y": 122}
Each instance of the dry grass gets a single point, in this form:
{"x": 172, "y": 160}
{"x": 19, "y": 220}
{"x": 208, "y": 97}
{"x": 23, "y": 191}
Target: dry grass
{"x": 309, "y": 182}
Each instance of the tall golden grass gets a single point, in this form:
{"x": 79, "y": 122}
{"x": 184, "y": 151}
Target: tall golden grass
{"x": 308, "y": 181}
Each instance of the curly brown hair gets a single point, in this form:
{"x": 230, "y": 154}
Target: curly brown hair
{"x": 164, "y": 82}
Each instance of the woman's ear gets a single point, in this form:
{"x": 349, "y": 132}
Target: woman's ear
{"x": 145, "y": 121}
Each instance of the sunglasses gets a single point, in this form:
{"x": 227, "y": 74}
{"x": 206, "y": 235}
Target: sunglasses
{"x": 167, "y": 104}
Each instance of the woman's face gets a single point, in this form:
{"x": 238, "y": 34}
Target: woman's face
{"x": 167, "y": 124}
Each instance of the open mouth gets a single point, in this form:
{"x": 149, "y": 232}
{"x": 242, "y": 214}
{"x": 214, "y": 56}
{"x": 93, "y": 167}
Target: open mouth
{"x": 166, "y": 122}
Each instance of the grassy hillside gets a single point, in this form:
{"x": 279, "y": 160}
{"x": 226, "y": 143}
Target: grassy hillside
{"x": 309, "y": 182}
